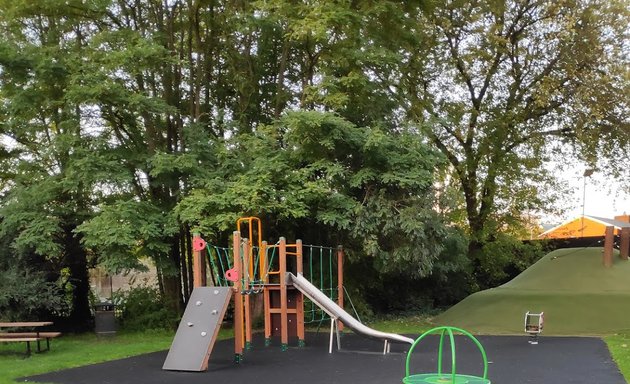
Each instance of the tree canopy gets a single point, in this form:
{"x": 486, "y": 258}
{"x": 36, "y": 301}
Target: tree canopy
{"x": 390, "y": 126}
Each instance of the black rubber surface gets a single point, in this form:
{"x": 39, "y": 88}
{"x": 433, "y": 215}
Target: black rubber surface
{"x": 555, "y": 360}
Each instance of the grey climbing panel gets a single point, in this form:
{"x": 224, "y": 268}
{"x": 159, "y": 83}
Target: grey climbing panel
{"x": 198, "y": 329}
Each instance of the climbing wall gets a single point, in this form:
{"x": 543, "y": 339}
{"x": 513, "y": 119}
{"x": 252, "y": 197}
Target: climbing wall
{"x": 198, "y": 329}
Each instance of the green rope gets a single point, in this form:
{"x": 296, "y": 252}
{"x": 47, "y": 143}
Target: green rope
{"x": 220, "y": 261}
{"x": 244, "y": 265}
{"x": 256, "y": 261}
{"x": 213, "y": 267}
{"x": 321, "y": 277}
{"x": 270, "y": 261}
{"x": 218, "y": 269}
{"x": 330, "y": 272}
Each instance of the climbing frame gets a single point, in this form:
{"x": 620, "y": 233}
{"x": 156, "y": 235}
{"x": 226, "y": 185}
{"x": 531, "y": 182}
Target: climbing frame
{"x": 198, "y": 329}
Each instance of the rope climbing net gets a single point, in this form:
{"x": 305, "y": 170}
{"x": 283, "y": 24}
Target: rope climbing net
{"x": 319, "y": 265}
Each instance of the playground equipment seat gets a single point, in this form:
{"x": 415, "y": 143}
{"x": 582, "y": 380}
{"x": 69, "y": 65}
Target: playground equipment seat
{"x": 534, "y": 325}
{"x": 442, "y": 377}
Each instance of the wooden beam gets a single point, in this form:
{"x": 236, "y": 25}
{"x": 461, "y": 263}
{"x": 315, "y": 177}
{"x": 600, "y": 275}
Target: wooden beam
{"x": 247, "y": 261}
{"x": 624, "y": 247}
{"x": 284, "y": 319}
{"x": 199, "y": 266}
{"x": 608, "y": 246}
{"x": 300, "y": 296}
{"x": 238, "y": 300}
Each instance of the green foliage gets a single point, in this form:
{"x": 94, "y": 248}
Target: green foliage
{"x": 504, "y": 258}
{"x": 501, "y": 90}
{"x": 143, "y": 308}
{"x": 124, "y": 125}
{"x": 126, "y": 231}
{"x": 397, "y": 293}
{"x": 373, "y": 188}
{"x": 26, "y": 295}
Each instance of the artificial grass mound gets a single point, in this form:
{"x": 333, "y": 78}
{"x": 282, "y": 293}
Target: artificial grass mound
{"x": 577, "y": 293}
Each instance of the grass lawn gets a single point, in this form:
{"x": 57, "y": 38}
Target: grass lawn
{"x": 619, "y": 346}
{"x": 76, "y": 350}
{"x": 70, "y": 351}
{"x": 578, "y": 295}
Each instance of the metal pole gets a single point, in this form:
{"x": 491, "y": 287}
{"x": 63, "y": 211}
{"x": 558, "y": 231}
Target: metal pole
{"x": 587, "y": 172}
{"x": 583, "y": 202}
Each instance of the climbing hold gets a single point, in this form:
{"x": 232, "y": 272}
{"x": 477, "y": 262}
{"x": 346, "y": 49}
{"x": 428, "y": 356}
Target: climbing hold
{"x": 198, "y": 244}
{"x": 216, "y": 291}
{"x": 190, "y": 324}
{"x": 198, "y": 303}
{"x": 215, "y": 312}
{"x": 231, "y": 275}
{"x": 203, "y": 334}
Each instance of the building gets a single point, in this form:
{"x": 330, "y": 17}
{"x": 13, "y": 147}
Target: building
{"x": 586, "y": 226}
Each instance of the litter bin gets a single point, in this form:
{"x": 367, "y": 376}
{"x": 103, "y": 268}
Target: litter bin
{"x": 105, "y": 319}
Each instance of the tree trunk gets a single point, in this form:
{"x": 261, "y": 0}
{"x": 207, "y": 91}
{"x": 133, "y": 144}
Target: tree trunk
{"x": 172, "y": 282}
{"x": 76, "y": 261}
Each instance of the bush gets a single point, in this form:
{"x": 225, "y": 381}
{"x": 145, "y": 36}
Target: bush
{"x": 503, "y": 259}
{"x": 26, "y": 295}
{"x": 143, "y": 308}
{"x": 448, "y": 281}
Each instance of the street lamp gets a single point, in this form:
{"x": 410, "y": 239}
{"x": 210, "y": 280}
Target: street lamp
{"x": 587, "y": 173}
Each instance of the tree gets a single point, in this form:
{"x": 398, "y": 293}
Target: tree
{"x": 501, "y": 87}
{"x": 43, "y": 201}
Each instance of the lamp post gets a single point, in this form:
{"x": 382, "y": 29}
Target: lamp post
{"x": 588, "y": 172}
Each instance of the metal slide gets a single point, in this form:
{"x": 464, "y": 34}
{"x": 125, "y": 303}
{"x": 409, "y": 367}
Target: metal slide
{"x": 334, "y": 310}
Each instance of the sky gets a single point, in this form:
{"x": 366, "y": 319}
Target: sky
{"x": 603, "y": 198}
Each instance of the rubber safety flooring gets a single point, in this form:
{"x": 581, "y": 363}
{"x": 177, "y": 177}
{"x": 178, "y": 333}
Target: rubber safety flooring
{"x": 512, "y": 360}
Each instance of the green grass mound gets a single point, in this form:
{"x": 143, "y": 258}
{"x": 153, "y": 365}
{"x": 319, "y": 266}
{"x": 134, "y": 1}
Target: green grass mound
{"x": 577, "y": 293}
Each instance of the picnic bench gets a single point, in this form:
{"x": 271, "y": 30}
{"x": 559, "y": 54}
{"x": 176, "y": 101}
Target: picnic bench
{"x": 35, "y": 334}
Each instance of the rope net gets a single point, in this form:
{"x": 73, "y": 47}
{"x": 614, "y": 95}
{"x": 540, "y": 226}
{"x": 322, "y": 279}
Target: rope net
{"x": 319, "y": 266}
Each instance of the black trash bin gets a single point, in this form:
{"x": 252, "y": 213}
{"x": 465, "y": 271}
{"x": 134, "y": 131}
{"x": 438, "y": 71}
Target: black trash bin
{"x": 105, "y": 319}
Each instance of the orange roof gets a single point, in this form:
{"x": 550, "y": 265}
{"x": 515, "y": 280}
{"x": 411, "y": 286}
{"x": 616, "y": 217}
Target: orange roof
{"x": 583, "y": 226}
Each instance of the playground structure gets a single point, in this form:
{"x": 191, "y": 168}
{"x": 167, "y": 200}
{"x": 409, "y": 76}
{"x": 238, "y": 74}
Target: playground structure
{"x": 534, "y": 325}
{"x": 276, "y": 271}
{"x": 442, "y": 377}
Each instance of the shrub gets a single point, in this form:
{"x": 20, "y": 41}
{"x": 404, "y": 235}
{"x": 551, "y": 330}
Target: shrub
{"x": 26, "y": 295}
{"x": 504, "y": 258}
{"x": 143, "y": 307}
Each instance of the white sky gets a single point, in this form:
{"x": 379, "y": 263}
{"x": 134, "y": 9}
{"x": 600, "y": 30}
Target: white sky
{"x": 603, "y": 198}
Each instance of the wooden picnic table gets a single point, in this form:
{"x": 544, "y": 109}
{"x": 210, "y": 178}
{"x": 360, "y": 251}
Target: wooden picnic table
{"x": 35, "y": 334}
{"x": 26, "y": 324}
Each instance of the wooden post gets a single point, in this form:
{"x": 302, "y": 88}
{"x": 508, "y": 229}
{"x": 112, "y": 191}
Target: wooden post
{"x": 238, "y": 300}
{"x": 284, "y": 320}
{"x": 199, "y": 270}
{"x": 300, "y": 297}
{"x": 608, "y": 246}
{"x": 262, "y": 262}
{"x": 340, "y": 290}
{"x": 248, "y": 314}
{"x": 624, "y": 247}
{"x": 267, "y": 305}
{"x": 266, "y": 296}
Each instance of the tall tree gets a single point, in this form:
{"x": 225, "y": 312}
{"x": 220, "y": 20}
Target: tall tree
{"x": 501, "y": 87}
{"x": 43, "y": 137}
